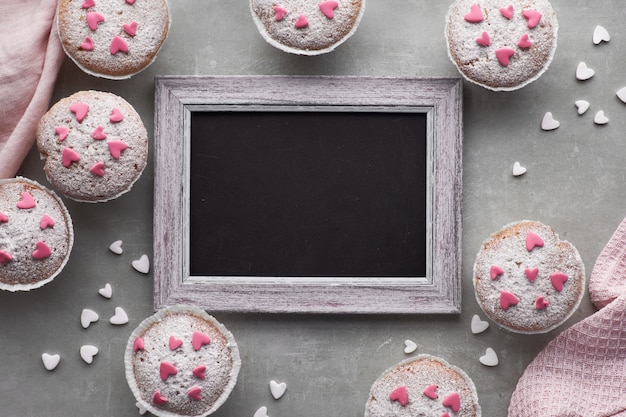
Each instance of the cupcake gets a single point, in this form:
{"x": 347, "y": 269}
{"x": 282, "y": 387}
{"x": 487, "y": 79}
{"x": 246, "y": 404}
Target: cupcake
{"x": 36, "y": 235}
{"x": 501, "y": 45}
{"x": 181, "y": 362}
{"x": 112, "y": 39}
{"x": 526, "y": 279}
{"x": 95, "y": 146}
{"x": 307, "y": 27}
{"x": 423, "y": 386}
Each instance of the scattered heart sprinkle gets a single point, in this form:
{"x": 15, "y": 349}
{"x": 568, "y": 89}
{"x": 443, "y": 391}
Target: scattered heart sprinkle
{"x": 548, "y": 122}
{"x": 277, "y": 389}
{"x": 120, "y": 316}
{"x": 142, "y": 264}
{"x": 518, "y": 169}
{"x": 621, "y": 94}
{"x": 106, "y": 291}
{"x": 50, "y": 361}
{"x": 87, "y": 352}
{"x": 409, "y": 346}
{"x": 583, "y": 72}
{"x": 478, "y": 325}
{"x": 600, "y": 118}
{"x": 116, "y": 247}
{"x": 261, "y": 412}
{"x": 490, "y": 358}
{"x": 600, "y": 34}
{"x": 141, "y": 408}
{"x": 582, "y": 106}
{"x": 87, "y": 317}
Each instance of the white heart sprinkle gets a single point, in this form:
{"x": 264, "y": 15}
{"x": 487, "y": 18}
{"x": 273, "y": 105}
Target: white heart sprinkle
{"x": 142, "y": 409}
{"x": 600, "y": 118}
{"x": 582, "y": 106}
{"x": 518, "y": 169}
{"x": 116, "y": 247}
{"x": 50, "y": 361}
{"x": 277, "y": 389}
{"x": 106, "y": 291}
{"x": 489, "y": 358}
{"x": 87, "y": 352}
{"x": 478, "y": 325}
{"x": 142, "y": 264}
{"x": 87, "y": 317}
{"x": 409, "y": 346}
{"x": 621, "y": 94}
{"x": 120, "y": 316}
{"x": 261, "y": 412}
{"x": 548, "y": 122}
{"x": 583, "y": 72}
{"x": 600, "y": 34}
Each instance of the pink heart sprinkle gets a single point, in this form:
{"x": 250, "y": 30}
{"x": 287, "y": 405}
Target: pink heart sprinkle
{"x": 453, "y": 401}
{"x": 69, "y": 156}
{"x": 116, "y": 147}
{"x": 88, "y": 4}
{"x": 524, "y": 42}
{"x": 118, "y": 45}
{"x": 42, "y": 250}
{"x": 175, "y": 343}
{"x": 508, "y": 299}
{"x": 328, "y": 8}
{"x": 558, "y": 279}
{"x": 97, "y": 169}
{"x": 27, "y": 201}
{"x": 281, "y": 12}
{"x": 166, "y": 369}
{"x": 194, "y": 393}
{"x": 445, "y": 415}
{"x": 483, "y": 40}
{"x": 3, "y": 217}
{"x": 430, "y": 392}
{"x": 93, "y": 19}
{"x": 138, "y": 344}
{"x": 503, "y": 55}
{"x": 400, "y": 395}
{"x": 531, "y": 273}
{"x": 302, "y": 22}
{"x": 61, "y": 132}
{"x": 533, "y": 240}
{"x": 532, "y": 16}
{"x": 131, "y": 2}
{"x": 199, "y": 372}
{"x": 116, "y": 116}
{"x": 80, "y": 110}
{"x": 45, "y": 222}
{"x": 507, "y": 11}
{"x": 5, "y": 257}
{"x": 130, "y": 28}
{"x": 541, "y": 303}
{"x": 98, "y": 133}
{"x": 157, "y": 398}
{"x": 198, "y": 339}
{"x": 495, "y": 271}
{"x": 87, "y": 44}
{"x": 475, "y": 15}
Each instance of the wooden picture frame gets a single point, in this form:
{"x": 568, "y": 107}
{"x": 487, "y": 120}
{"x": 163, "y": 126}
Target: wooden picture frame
{"x": 177, "y": 97}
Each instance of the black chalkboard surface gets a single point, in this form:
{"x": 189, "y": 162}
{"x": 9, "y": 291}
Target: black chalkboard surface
{"x": 308, "y": 194}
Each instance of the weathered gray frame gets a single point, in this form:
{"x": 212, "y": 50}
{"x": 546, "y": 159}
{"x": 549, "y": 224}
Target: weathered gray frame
{"x": 178, "y": 96}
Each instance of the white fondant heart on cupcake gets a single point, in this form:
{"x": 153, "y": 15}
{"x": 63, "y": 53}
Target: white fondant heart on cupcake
{"x": 477, "y": 325}
{"x": 582, "y": 106}
{"x": 142, "y": 264}
{"x": 50, "y": 362}
{"x": 600, "y": 118}
{"x": 88, "y": 316}
{"x": 120, "y": 317}
{"x": 106, "y": 291}
{"x": 87, "y": 352}
{"x": 518, "y": 169}
{"x": 548, "y": 122}
{"x": 277, "y": 389}
{"x": 261, "y": 412}
{"x": 583, "y": 72}
{"x": 409, "y": 346}
{"x": 490, "y": 358}
{"x": 600, "y": 34}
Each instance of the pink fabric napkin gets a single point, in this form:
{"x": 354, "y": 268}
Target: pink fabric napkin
{"x": 30, "y": 58}
{"x": 582, "y": 372}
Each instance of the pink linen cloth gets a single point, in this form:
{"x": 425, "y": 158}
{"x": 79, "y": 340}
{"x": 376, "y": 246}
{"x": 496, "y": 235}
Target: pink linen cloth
{"x": 582, "y": 372}
{"x": 30, "y": 58}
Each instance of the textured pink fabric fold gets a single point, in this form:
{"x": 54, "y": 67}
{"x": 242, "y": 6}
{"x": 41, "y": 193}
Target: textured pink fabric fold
{"x": 30, "y": 58}
{"x": 582, "y": 372}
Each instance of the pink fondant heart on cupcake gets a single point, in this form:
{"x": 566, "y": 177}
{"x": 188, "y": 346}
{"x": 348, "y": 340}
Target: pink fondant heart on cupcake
{"x": 431, "y": 392}
{"x": 495, "y": 271}
{"x": 533, "y": 17}
{"x": 158, "y": 399}
{"x": 199, "y": 372}
{"x": 116, "y": 147}
{"x": 175, "y": 343}
{"x": 301, "y": 22}
{"x": 507, "y": 11}
{"x": 130, "y": 28}
{"x": 452, "y": 400}
{"x": 524, "y": 42}
{"x": 97, "y": 169}
{"x": 504, "y": 55}
{"x": 27, "y": 201}
{"x": 87, "y": 44}
{"x": 98, "y": 133}
{"x": 533, "y": 241}
{"x": 541, "y": 303}
{"x": 69, "y": 156}
{"x": 61, "y": 132}
{"x": 328, "y": 8}
{"x": 3, "y": 217}
{"x": 508, "y": 299}
{"x": 5, "y": 257}
{"x": 199, "y": 339}
{"x": 138, "y": 344}
{"x": 118, "y": 45}
{"x": 483, "y": 40}
{"x": 400, "y": 394}
{"x": 195, "y": 393}
{"x": 166, "y": 369}
{"x": 280, "y": 13}
{"x": 80, "y": 110}
{"x": 531, "y": 273}
{"x": 42, "y": 250}
{"x": 45, "y": 222}
{"x": 116, "y": 116}
{"x": 475, "y": 15}
{"x": 87, "y": 4}
{"x": 558, "y": 279}
{"x": 93, "y": 19}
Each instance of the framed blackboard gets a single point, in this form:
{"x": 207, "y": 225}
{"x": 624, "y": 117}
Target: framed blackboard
{"x": 308, "y": 194}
